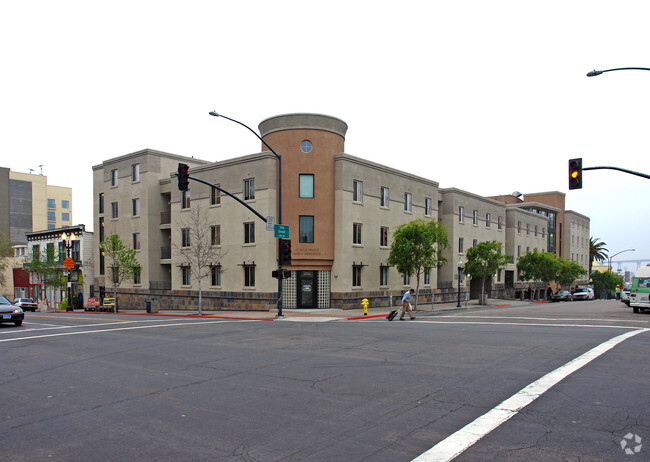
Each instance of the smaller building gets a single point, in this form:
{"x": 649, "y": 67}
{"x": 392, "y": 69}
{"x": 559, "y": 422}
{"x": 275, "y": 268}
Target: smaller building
{"x": 48, "y": 286}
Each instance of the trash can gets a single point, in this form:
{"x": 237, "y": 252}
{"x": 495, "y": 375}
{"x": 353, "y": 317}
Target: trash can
{"x": 148, "y": 303}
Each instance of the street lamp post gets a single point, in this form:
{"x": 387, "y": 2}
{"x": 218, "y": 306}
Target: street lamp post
{"x": 460, "y": 272}
{"x": 279, "y": 157}
{"x": 594, "y": 73}
{"x": 67, "y": 242}
{"x": 611, "y": 257}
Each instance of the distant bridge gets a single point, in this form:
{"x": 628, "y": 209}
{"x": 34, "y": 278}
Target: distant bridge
{"x": 638, "y": 262}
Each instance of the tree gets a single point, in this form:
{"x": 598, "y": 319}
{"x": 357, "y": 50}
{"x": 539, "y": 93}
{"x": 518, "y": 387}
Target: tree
{"x": 538, "y": 266}
{"x": 416, "y": 247}
{"x": 6, "y": 252}
{"x": 123, "y": 266}
{"x": 569, "y": 272}
{"x": 483, "y": 261}
{"x": 200, "y": 251}
{"x": 597, "y": 251}
{"x": 47, "y": 266}
{"x": 605, "y": 283}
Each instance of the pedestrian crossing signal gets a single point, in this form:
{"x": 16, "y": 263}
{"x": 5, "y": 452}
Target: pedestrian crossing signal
{"x": 575, "y": 173}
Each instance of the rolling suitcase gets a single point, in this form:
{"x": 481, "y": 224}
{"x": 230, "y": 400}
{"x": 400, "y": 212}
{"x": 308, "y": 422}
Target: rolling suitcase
{"x": 391, "y": 315}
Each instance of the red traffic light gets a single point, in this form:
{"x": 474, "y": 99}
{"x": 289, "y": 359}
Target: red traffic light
{"x": 183, "y": 176}
{"x": 284, "y": 252}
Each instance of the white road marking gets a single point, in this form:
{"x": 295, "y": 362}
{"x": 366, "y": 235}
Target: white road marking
{"x": 540, "y": 319}
{"x": 455, "y": 444}
{"x": 487, "y": 323}
{"x": 63, "y": 334}
{"x": 308, "y": 319}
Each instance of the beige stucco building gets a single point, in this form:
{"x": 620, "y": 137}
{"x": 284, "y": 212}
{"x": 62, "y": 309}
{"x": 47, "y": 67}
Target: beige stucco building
{"x": 341, "y": 211}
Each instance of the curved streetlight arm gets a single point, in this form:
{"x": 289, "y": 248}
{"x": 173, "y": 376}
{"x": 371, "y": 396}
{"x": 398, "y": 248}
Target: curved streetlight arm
{"x": 594, "y": 73}
{"x": 216, "y": 114}
{"x": 612, "y": 257}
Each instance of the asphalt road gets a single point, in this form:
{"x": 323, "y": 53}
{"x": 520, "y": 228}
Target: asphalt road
{"x": 105, "y": 387}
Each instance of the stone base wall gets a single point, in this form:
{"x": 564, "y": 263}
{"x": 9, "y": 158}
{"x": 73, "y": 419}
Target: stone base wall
{"x": 188, "y": 300}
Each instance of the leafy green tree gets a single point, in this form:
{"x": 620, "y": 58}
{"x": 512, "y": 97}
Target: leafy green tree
{"x": 597, "y": 251}
{"x": 417, "y": 247}
{"x": 539, "y": 266}
{"x": 569, "y": 272}
{"x": 47, "y": 266}
{"x": 123, "y": 265}
{"x": 483, "y": 261}
{"x": 605, "y": 283}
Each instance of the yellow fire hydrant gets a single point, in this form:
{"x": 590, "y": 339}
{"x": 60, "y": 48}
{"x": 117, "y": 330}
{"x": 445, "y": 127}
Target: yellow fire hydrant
{"x": 365, "y": 303}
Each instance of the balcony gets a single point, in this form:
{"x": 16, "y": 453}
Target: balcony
{"x": 166, "y": 253}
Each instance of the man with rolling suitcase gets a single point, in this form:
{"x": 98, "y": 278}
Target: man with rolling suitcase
{"x": 406, "y": 305}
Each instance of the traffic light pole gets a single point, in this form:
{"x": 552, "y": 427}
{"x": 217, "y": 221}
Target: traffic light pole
{"x": 631, "y": 172}
{"x": 279, "y": 157}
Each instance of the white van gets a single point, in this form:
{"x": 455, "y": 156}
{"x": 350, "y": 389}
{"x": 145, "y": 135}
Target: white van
{"x": 640, "y": 295}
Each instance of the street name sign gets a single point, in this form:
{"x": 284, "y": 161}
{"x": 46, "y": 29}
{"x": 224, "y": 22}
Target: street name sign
{"x": 281, "y": 231}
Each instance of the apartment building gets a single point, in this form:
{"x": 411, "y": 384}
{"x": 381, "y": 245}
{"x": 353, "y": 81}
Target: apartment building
{"x": 28, "y": 203}
{"x": 341, "y": 211}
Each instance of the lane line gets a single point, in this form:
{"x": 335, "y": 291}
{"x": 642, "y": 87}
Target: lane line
{"x": 487, "y": 323}
{"x": 63, "y": 334}
{"x": 544, "y": 319}
{"x": 455, "y": 444}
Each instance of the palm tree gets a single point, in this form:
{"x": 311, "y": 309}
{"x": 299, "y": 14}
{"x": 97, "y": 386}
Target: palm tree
{"x": 597, "y": 251}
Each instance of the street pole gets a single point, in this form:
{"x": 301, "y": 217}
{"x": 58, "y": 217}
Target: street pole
{"x": 279, "y": 157}
{"x": 460, "y": 270}
{"x": 67, "y": 242}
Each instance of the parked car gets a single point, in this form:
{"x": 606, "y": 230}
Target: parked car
{"x": 584, "y": 293}
{"x": 27, "y": 304}
{"x": 562, "y": 296}
{"x": 10, "y": 312}
{"x": 625, "y": 293}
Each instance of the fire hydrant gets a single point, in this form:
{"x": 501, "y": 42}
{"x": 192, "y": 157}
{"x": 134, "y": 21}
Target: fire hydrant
{"x": 365, "y": 303}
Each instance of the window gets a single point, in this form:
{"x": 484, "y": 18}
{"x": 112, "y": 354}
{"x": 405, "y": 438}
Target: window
{"x": 36, "y": 252}
{"x": 306, "y": 186}
{"x": 407, "y": 202}
{"x": 65, "y": 216}
{"x": 101, "y": 202}
{"x": 518, "y": 251}
{"x": 383, "y": 275}
{"x": 185, "y": 237}
{"x": 487, "y": 220}
{"x": 135, "y": 205}
{"x": 135, "y": 172}
{"x": 306, "y": 146}
{"x": 249, "y": 189}
{"x": 249, "y": 233}
{"x": 474, "y": 242}
{"x": 136, "y": 241}
{"x": 500, "y": 222}
{"x": 461, "y": 214}
{"x": 357, "y": 191}
{"x": 519, "y": 227}
{"x": 460, "y": 244}
{"x": 51, "y": 226}
{"x": 249, "y": 276}
{"x": 306, "y": 229}
{"x": 51, "y": 203}
{"x": 114, "y": 177}
{"x": 75, "y": 251}
{"x": 51, "y": 216}
{"x": 527, "y": 229}
{"x": 427, "y": 276}
{"x": 383, "y": 236}
{"x": 114, "y": 210}
{"x": 356, "y": 275}
{"x": 536, "y": 231}
{"x": 215, "y": 275}
{"x": 475, "y": 217}
{"x": 427, "y": 206}
{"x": 186, "y": 275}
{"x": 215, "y": 196}
{"x": 185, "y": 199}
{"x": 383, "y": 197}
{"x": 407, "y": 279}
{"x": 65, "y": 204}
{"x": 101, "y": 229}
{"x": 215, "y": 235}
{"x": 356, "y": 233}
{"x": 137, "y": 272}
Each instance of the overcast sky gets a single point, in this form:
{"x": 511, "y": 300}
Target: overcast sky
{"x": 489, "y": 97}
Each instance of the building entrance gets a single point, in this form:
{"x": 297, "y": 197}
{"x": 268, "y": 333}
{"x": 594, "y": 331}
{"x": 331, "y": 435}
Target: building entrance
{"x": 307, "y": 290}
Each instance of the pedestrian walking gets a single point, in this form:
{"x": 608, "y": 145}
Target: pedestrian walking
{"x": 406, "y": 305}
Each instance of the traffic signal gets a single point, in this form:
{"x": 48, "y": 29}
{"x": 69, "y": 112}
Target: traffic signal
{"x": 183, "y": 176}
{"x": 284, "y": 254}
{"x": 575, "y": 173}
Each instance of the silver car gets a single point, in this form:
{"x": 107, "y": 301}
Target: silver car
{"x": 625, "y": 293}
{"x": 583, "y": 293}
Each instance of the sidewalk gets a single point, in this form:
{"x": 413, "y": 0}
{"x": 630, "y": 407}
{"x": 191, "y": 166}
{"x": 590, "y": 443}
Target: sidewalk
{"x": 329, "y": 314}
